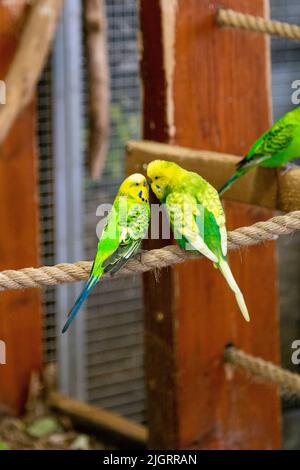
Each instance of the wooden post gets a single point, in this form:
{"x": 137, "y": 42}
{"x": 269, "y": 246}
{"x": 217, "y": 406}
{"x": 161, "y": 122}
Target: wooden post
{"x": 208, "y": 87}
{"x": 20, "y": 319}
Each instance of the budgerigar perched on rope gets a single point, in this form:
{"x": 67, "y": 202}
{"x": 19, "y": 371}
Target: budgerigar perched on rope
{"x": 126, "y": 226}
{"x": 196, "y": 216}
{"x": 278, "y": 146}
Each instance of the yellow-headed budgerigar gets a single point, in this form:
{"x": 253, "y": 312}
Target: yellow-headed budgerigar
{"x": 126, "y": 226}
{"x": 196, "y": 216}
{"x": 278, "y": 146}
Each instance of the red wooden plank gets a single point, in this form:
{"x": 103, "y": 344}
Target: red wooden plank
{"x": 20, "y": 319}
{"x": 207, "y": 87}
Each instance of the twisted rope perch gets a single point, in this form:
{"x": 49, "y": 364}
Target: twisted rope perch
{"x": 155, "y": 259}
{"x": 289, "y": 381}
{"x": 228, "y": 17}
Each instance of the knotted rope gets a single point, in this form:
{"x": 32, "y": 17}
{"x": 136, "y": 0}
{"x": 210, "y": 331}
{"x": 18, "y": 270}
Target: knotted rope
{"x": 155, "y": 259}
{"x": 289, "y": 381}
{"x": 228, "y": 17}
{"x": 171, "y": 255}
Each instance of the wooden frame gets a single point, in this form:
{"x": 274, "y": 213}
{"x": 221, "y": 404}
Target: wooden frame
{"x": 99, "y": 85}
{"x": 272, "y": 189}
{"x": 28, "y": 61}
{"x": 20, "y": 312}
{"x": 100, "y": 421}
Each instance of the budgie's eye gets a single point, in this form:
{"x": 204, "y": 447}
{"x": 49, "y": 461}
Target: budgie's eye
{"x": 156, "y": 178}
{"x": 137, "y": 184}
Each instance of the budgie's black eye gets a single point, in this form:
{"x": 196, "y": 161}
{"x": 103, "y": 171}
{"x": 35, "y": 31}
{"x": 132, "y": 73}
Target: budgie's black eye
{"x": 156, "y": 178}
{"x": 137, "y": 184}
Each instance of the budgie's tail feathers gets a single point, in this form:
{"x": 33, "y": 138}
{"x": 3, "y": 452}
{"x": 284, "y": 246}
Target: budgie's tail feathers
{"x": 243, "y": 167}
{"x": 225, "y": 270}
{"x": 229, "y": 182}
{"x": 82, "y": 297}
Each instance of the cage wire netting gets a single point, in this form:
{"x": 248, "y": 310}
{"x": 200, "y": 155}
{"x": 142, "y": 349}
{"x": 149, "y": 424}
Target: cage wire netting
{"x": 285, "y": 57}
{"x": 114, "y": 322}
{"x": 113, "y": 345}
{"x": 285, "y": 71}
{"x": 46, "y": 195}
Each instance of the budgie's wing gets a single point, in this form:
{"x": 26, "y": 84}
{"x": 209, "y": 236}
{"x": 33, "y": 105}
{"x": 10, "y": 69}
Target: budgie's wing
{"x": 188, "y": 219}
{"x": 132, "y": 232}
{"x": 120, "y": 257}
{"x": 210, "y": 199}
{"x": 269, "y": 144}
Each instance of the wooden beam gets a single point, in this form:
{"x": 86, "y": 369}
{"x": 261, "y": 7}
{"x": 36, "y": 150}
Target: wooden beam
{"x": 100, "y": 421}
{"x": 29, "y": 59}
{"x": 98, "y": 85}
{"x": 20, "y": 319}
{"x": 207, "y": 87}
{"x": 262, "y": 187}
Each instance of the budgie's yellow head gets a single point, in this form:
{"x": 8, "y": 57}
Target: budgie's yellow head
{"x": 136, "y": 187}
{"x": 162, "y": 175}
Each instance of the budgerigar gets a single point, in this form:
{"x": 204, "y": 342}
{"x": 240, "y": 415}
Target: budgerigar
{"x": 275, "y": 148}
{"x": 196, "y": 216}
{"x": 126, "y": 226}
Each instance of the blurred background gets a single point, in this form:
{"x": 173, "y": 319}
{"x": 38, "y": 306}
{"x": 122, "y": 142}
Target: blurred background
{"x": 100, "y": 361}
{"x": 110, "y": 345}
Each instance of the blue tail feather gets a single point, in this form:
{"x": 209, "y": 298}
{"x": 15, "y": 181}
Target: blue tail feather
{"x": 83, "y": 296}
{"x": 229, "y": 182}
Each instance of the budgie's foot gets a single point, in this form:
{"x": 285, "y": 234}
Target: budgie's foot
{"x": 288, "y": 167}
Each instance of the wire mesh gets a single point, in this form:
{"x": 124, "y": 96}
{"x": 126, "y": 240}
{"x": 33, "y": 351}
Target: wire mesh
{"x": 114, "y": 324}
{"x": 285, "y": 70}
{"x": 46, "y": 183}
{"x": 285, "y": 57}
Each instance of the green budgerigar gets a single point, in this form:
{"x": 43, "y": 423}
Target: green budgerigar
{"x": 126, "y": 226}
{"x": 196, "y": 216}
{"x": 278, "y": 146}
